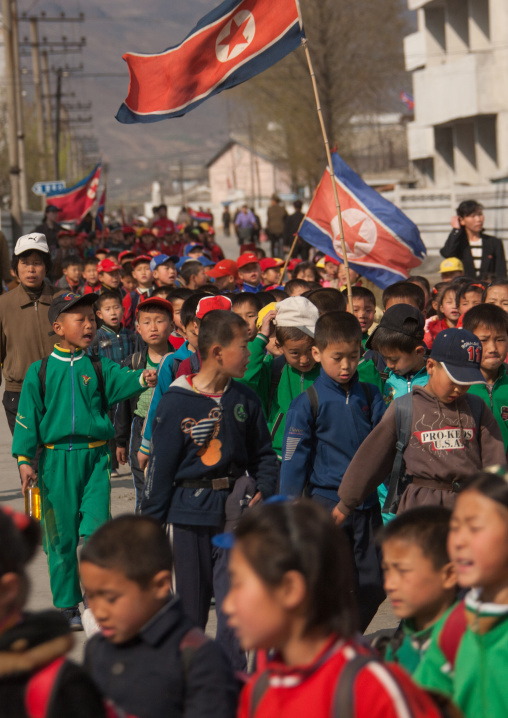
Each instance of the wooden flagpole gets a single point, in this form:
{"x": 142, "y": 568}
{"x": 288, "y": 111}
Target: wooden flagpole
{"x": 288, "y": 258}
{"x": 305, "y": 44}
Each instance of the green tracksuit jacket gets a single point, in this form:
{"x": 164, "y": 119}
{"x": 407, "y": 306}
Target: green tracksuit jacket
{"x": 71, "y": 415}
{"x": 408, "y": 646}
{"x": 477, "y": 682}
{"x": 496, "y": 398}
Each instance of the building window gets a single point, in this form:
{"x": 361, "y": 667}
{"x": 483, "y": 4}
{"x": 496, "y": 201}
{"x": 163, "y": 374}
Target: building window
{"x": 443, "y": 138}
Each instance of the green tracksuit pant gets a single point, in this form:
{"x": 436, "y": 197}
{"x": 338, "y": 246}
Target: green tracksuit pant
{"x": 75, "y": 500}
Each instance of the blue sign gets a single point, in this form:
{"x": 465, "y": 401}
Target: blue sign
{"x": 43, "y": 188}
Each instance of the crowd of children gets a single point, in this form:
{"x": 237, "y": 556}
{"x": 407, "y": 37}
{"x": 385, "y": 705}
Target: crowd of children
{"x": 296, "y": 459}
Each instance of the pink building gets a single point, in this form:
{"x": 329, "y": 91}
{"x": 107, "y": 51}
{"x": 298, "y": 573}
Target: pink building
{"x": 239, "y": 173}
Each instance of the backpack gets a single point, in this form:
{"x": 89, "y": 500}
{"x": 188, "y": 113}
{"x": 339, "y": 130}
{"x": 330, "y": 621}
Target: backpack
{"x": 42, "y": 686}
{"x": 452, "y": 633}
{"x": 97, "y": 365}
{"x": 343, "y": 701}
{"x": 398, "y": 481}
{"x": 314, "y": 398}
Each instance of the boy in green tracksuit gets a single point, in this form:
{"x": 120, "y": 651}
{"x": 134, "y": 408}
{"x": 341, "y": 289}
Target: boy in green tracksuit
{"x": 419, "y": 580}
{"x": 281, "y": 380}
{"x": 63, "y": 407}
{"x": 490, "y": 324}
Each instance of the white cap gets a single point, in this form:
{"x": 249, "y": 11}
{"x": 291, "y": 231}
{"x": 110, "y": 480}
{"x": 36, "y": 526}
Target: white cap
{"x": 33, "y": 241}
{"x": 297, "y": 312}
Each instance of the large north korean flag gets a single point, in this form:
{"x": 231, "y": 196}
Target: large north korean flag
{"x": 234, "y": 42}
{"x": 382, "y": 243}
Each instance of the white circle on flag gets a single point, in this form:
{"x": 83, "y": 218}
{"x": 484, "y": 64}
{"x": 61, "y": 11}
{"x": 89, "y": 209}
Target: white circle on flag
{"x": 362, "y": 238}
{"x": 236, "y": 36}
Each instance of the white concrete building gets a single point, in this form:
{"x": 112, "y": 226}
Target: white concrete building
{"x": 459, "y": 61}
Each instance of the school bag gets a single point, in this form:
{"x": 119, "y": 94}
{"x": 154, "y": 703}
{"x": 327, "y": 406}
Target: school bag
{"x": 42, "y": 687}
{"x": 97, "y": 365}
{"x": 343, "y": 701}
{"x": 399, "y": 481}
{"x": 452, "y": 633}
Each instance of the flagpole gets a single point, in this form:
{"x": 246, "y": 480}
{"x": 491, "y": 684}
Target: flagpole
{"x": 288, "y": 258}
{"x": 305, "y": 44}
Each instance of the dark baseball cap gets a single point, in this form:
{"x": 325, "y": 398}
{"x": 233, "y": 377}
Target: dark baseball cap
{"x": 394, "y": 318}
{"x": 460, "y": 354}
{"x": 67, "y": 301}
{"x": 52, "y": 208}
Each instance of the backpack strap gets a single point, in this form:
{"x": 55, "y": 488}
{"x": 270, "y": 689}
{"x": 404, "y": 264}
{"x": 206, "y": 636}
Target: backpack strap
{"x": 189, "y": 646}
{"x": 278, "y": 365}
{"x": 258, "y": 691}
{"x": 452, "y": 632}
{"x": 40, "y": 689}
{"x": 42, "y": 375}
{"x": 343, "y": 705}
{"x": 314, "y": 400}
{"x": 476, "y": 404}
{"x": 367, "y": 390}
{"x": 403, "y": 423}
{"x": 97, "y": 365}
{"x": 136, "y": 360}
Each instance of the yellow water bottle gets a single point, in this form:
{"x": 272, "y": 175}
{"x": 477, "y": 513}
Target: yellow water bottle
{"x": 33, "y": 501}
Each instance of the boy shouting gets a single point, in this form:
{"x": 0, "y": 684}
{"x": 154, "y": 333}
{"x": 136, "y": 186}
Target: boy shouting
{"x": 63, "y": 407}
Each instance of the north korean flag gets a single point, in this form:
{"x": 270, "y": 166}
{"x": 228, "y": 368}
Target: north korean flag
{"x": 99, "y": 217}
{"x": 75, "y": 202}
{"x": 383, "y": 245}
{"x": 234, "y": 42}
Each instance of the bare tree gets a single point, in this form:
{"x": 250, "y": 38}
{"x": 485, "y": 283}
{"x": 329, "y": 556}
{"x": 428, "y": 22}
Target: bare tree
{"x": 356, "y": 47}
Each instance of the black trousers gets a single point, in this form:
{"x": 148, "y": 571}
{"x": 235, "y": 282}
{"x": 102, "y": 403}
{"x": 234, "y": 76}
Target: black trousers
{"x": 138, "y": 475}
{"x": 360, "y": 528}
{"x": 201, "y": 571}
{"x": 11, "y": 402}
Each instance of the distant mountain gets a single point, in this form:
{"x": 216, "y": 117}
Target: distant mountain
{"x": 136, "y": 154}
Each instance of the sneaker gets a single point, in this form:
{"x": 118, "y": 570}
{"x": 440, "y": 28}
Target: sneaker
{"x": 73, "y": 617}
{"x": 115, "y": 474}
{"x": 90, "y": 625}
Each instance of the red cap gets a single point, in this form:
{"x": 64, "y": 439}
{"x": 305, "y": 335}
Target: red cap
{"x": 333, "y": 260}
{"x": 142, "y": 258}
{"x": 223, "y": 269}
{"x": 107, "y": 265}
{"x": 293, "y": 263}
{"x": 208, "y": 304}
{"x": 270, "y": 263}
{"x": 126, "y": 253}
{"x": 246, "y": 258}
{"x": 128, "y": 230}
{"x": 155, "y": 302}
{"x": 145, "y": 231}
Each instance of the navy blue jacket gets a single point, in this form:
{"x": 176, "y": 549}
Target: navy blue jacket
{"x": 146, "y": 676}
{"x": 318, "y": 452}
{"x": 195, "y": 438}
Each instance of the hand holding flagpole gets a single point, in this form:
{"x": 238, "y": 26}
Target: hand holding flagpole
{"x": 305, "y": 44}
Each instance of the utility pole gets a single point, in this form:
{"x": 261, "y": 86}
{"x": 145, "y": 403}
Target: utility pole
{"x": 19, "y": 109}
{"x": 47, "y": 101}
{"x": 16, "y": 217}
{"x": 182, "y": 183}
{"x": 57, "y": 122}
{"x": 36, "y": 65}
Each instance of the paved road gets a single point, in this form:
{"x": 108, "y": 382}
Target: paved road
{"x": 122, "y": 501}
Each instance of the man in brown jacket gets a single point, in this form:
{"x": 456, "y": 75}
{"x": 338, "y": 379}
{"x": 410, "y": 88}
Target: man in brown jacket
{"x": 24, "y": 323}
{"x": 276, "y": 217}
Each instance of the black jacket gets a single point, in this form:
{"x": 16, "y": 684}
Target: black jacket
{"x": 146, "y": 676}
{"x": 73, "y": 692}
{"x": 125, "y": 409}
{"x": 493, "y": 259}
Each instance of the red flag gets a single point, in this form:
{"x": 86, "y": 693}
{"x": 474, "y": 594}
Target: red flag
{"x": 75, "y": 202}
{"x": 231, "y": 44}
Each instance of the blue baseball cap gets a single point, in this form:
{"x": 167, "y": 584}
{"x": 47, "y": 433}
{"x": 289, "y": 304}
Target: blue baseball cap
{"x": 162, "y": 259}
{"x": 460, "y": 354}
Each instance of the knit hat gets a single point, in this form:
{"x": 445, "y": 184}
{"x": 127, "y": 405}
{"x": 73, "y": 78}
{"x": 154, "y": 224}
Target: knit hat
{"x": 297, "y": 312}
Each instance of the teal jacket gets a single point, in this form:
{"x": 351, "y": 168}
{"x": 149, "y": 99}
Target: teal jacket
{"x": 408, "y": 646}
{"x": 397, "y": 385}
{"x": 496, "y": 398}
{"x": 70, "y": 414}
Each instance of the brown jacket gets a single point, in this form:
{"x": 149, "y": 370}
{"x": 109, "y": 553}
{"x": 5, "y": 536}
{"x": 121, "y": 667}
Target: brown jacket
{"x": 24, "y": 333}
{"x": 276, "y": 215}
{"x": 443, "y": 442}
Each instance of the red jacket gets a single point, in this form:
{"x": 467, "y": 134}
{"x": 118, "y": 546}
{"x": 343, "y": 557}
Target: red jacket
{"x": 380, "y": 690}
{"x": 433, "y": 326}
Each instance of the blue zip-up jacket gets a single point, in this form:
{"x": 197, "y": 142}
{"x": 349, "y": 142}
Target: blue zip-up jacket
{"x": 165, "y": 377}
{"x": 251, "y": 288}
{"x": 196, "y": 437}
{"x": 318, "y": 452}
